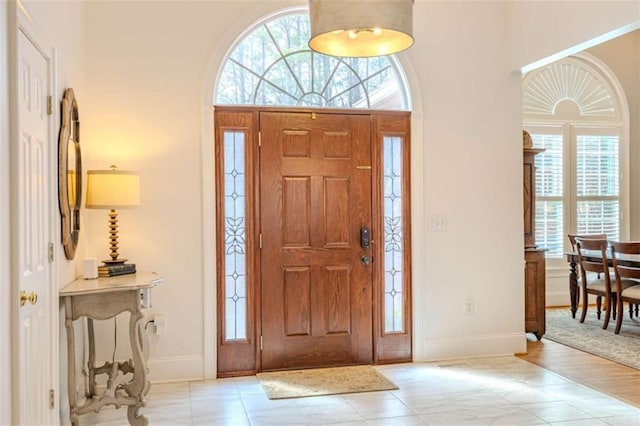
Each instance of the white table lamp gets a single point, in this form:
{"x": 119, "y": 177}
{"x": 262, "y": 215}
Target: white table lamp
{"x": 113, "y": 189}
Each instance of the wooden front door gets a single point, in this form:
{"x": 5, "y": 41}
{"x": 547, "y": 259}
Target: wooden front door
{"x": 316, "y": 278}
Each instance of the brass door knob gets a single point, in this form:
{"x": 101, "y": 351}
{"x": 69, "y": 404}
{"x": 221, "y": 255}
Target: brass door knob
{"x": 31, "y": 297}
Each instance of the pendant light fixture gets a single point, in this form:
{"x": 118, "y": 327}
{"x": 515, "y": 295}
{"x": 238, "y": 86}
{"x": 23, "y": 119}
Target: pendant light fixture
{"x": 360, "y": 28}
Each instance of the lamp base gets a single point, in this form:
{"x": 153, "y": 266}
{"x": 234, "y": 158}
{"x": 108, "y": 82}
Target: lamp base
{"x": 114, "y": 261}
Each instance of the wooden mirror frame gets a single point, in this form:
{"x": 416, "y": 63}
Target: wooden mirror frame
{"x": 69, "y": 184}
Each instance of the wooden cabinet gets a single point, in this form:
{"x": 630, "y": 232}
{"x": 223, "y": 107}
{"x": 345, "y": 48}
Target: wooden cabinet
{"x": 534, "y": 292}
{"x": 534, "y": 276}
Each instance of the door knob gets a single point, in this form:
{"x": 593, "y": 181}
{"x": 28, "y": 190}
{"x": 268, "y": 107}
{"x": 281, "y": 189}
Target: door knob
{"x": 31, "y": 297}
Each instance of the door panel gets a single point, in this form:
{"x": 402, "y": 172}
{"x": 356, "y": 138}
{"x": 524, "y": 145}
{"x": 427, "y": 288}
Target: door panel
{"x": 33, "y": 235}
{"x": 315, "y": 196}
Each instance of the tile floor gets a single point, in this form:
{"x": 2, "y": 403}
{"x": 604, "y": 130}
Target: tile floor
{"x": 488, "y": 391}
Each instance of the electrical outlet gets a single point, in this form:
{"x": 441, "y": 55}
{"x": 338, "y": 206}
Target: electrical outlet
{"x": 160, "y": 324}
{"x": 470, "y": 306}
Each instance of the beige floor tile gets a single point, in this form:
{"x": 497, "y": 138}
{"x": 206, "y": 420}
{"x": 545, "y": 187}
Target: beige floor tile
{"x": 500, "y": 390}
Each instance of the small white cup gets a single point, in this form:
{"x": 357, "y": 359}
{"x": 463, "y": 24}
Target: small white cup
{"x": 90, "y": 269}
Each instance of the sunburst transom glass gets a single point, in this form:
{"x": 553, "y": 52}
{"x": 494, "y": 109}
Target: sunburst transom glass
{"x": 273, "y": 65}
{"x": 567, "y": 80}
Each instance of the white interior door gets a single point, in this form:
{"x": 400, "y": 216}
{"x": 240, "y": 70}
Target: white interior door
{"x": 31, "y": 205}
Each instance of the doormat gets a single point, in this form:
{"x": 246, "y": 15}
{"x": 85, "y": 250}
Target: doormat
{"x": 589, "y": 336}
{"x": 323, "y": 381}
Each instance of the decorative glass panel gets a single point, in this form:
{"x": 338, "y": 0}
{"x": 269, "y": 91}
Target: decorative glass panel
{"x": 549, "y": 182}
{"x": 235, "y": 236}
{"x": 393, "y": 238}
{"x": 273, "y": 65}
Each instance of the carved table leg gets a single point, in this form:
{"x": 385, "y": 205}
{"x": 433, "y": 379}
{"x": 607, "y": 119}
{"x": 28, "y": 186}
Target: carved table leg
{"x": 136, "y": 388}
{"x": 91, "y": 363}
{"x": 147, "y": 385}
{"x": 573, "y": 288}
{"x": 71, "y": 362}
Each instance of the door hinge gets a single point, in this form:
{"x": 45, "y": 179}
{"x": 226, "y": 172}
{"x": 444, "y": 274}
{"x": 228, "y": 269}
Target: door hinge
{"x": 50, "y": 252}
{"x": 261, "y": 342}
{"x": 260, "y": 241}
{"x": 52, "y": 398}
{"x": 49, "y": 105}
{"x": 260, "y": 138}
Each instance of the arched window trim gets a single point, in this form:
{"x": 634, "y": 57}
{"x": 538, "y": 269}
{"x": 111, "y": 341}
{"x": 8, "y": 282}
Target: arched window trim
{"x": 396, "y": 68}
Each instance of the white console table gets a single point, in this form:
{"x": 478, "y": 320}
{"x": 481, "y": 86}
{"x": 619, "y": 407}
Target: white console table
{"x": 101, "y": 299}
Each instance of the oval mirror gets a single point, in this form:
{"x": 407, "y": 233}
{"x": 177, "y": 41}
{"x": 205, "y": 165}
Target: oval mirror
{"x": 69, "y": 173}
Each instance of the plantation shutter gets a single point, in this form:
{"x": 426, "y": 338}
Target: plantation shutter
{"x": 549, "y": 193}
{"x": 598, "y": 185}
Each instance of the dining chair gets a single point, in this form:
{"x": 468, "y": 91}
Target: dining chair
{"x": 627, "y": 278}
{"x": 572, "y": 238}
{"x": 572, "y": 241}
{"x": 599, "y": 285}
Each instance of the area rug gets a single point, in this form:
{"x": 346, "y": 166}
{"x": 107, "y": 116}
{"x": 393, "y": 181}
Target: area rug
{"x": 323, "y": 381}
{"x": 623, "y": 348}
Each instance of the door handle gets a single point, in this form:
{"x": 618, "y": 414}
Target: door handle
{"x": 365, "y": 237}
{"x": 31, "y": 298}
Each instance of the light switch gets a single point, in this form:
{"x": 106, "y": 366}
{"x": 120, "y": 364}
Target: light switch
{"x": 436, "y": 223}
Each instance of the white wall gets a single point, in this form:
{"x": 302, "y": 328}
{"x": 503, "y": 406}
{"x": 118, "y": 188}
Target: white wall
{"x": 544, "y": 31}
{"x": 145, "y": 69}
{"x": 473, "y": 177}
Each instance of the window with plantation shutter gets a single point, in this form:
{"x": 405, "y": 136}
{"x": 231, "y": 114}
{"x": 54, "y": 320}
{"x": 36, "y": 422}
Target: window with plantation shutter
{"x": 598, "y": 185}
{"x": 549, "y": 193}
{"x": 572, "y": 112}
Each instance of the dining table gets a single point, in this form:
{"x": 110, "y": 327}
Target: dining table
{"x": 573, "y": 259}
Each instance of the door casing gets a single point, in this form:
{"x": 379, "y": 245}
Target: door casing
{"x": 242, "y": 357}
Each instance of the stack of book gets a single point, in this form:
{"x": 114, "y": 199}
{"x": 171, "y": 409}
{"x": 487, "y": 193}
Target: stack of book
{"x": 116, "y": 269}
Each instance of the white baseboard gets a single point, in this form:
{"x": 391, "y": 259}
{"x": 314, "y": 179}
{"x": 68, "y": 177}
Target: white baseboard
{"x": 175, "y": 369}
{"x": 558, "y": 298}
{"x": 473, "y": 347}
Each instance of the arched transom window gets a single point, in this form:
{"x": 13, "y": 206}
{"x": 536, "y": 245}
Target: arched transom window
{"x": 273, "y": 65}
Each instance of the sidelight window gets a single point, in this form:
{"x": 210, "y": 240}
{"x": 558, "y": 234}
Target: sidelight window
{"x": 393, "y": 234}
{"x": 235, "y": 276}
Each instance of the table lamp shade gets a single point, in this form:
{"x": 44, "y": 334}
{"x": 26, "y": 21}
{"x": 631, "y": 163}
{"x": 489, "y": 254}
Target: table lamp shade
{"x": 112, "y": 189}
